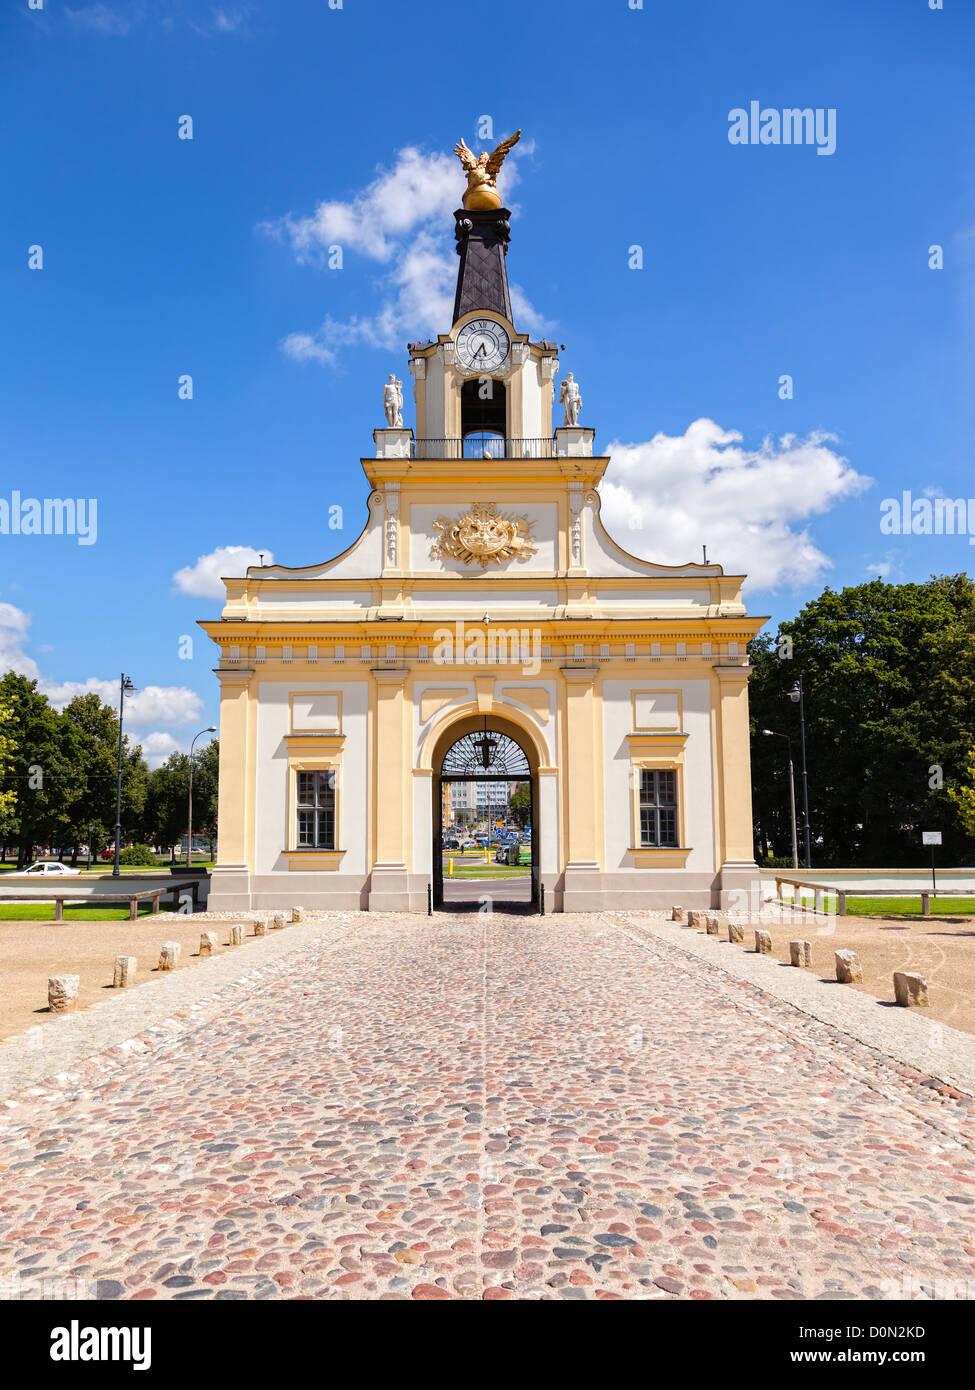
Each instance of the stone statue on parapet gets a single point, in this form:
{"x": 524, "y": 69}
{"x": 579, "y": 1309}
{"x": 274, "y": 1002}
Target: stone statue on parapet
{"x": 393, "y": 402}
{"x": 570, "y": 398}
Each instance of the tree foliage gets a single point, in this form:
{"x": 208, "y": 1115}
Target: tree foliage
{"x": 58, "y": 778}
{"x": 889, "y": 678}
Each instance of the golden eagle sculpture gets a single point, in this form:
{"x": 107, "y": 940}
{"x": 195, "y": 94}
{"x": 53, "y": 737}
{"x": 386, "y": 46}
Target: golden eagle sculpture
{"x": 482, "y": 171}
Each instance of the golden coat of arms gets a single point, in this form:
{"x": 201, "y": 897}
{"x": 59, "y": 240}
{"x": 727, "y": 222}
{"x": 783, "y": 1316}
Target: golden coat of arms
{"x": 483, "y": 534}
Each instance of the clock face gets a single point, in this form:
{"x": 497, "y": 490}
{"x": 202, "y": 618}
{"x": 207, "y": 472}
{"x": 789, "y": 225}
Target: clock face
{"x": 482, "y": 345}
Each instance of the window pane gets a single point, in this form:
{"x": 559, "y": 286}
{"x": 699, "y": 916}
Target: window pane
{"x": 658, "y": 806}
{"x": 326, "y": 829}
{"x": 306, "y": 828}
{"x": 306, "y": 789}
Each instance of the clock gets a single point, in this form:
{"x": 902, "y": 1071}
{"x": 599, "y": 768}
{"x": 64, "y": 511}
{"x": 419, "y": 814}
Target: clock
{"x": 482, "y": 345}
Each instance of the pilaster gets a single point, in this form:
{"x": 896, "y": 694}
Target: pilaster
{"x": 389, "y": 879}
{"x": 738, "y": 869}
{"x": 583, "y": 767}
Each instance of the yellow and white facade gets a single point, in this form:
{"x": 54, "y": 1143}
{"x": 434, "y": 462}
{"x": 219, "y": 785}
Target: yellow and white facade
{"x": 483, "y": 592}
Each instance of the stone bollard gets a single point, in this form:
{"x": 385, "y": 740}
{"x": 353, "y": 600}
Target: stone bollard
{"x": 208, "y": 943}
{"x": 278, "y": 922}
{"x": 736, "y": 932}
{"x": 677, "y": 914}
{"x": 848, "y": 968}
{"x": 694, "y": 918}
{"x": 763, "y": 943}
{"x": 260, "y": 927}
{"x": 169, "y": 955}
{"x": 800, "y": 953}
{"x": 236, "y": 934}
{"x": 62, "y": 993}
{"x": 711, "y": 924}
{"x": 297, "y": 914}
{"x": 124, "y": 972}
{"x": 910, "y": 991}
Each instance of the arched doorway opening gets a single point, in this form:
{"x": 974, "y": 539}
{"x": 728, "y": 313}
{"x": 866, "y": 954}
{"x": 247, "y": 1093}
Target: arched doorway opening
{"x": 485, "y": 817}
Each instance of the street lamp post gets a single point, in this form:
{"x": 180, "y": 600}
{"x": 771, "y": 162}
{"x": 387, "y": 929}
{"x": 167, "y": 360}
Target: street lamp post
{"x": 125, "y": 688}
{"x": 210, "y": 729}
{"x": 771, "y": 733}
{"x": 797, "y": 696}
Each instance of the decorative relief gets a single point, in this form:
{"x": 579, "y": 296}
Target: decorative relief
{"x": 485, "y": 535}
{"x": 576, "y": 501}
{"x": 392, "y": 523}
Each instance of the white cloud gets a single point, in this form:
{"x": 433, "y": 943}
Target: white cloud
{"x": 665, "y": 498}
{"x": 888, "y": 567}
{"x": 400, "y": 220}
{"x": 157, "y": 746}
{"x": 203, "y": 578}
{"x": 115, "y": 21}
{"x": 151, "y": 704}
{"x": 104, "y": 19}
{"x": 173, "y": 705}
{"x": 14, "y": 624}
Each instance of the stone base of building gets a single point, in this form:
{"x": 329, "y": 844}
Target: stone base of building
{"x": 581, "y": 888}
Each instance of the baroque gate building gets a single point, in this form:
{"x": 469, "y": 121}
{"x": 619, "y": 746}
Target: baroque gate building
{"x": 483, "y": 596}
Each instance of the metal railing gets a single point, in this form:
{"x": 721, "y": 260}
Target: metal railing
{"x": 479, "y": 446}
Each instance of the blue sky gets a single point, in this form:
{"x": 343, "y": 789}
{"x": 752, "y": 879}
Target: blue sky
{"x": 313, "y": 126}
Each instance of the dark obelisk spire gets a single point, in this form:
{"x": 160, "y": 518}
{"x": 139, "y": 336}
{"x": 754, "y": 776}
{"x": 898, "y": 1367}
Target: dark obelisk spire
{"x": 482, "y": 244}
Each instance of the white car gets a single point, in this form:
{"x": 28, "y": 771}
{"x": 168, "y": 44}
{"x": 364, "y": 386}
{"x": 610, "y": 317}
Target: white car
{"x": 52, "y": 869}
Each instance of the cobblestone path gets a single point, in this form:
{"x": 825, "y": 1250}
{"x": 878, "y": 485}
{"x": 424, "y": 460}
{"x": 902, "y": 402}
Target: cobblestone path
{"x": 494, "y": 1107}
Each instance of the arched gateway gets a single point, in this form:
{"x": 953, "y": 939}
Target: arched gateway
{"x": 477, "y": 786}
{"x": 484, "y": 597}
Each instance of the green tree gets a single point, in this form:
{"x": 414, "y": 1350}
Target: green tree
{"x": 97, "y": 728}
{"x": 520, "y": 805}
{"x": 167, "y": 796}
{"x": 889, "y": 678}
{"x": 44, "y": 767}
{"x": 964, "y": 796}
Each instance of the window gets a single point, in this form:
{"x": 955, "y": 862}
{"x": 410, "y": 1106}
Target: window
{"x": 658, "y": 806}
{"x": 316, "y": 810}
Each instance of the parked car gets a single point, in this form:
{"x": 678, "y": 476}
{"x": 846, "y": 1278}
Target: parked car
{"x": 451, "y": 844}
{"x": 52, "y": 869}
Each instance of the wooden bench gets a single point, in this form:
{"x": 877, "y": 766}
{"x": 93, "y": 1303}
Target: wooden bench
{"x": 133, "y": 899}
{"x": 821, "y": 889}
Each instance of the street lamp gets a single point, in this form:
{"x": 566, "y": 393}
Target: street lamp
{"x": 210, "y": 729}
{"x": 771, "y": 733}
{"x": 797, "y": 696}
{"x": 125, "y": 688}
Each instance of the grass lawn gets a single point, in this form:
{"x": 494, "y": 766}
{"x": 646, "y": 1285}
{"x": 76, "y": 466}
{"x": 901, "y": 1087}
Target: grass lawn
{"x": 909, "y": 907}
{"x": 485, "y": 871}
{"x": 104, "y": 866}
{"x": 80, "y": 912}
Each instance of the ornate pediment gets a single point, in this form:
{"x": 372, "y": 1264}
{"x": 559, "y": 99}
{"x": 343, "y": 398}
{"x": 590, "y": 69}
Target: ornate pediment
{"x": 484, "y": 535}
